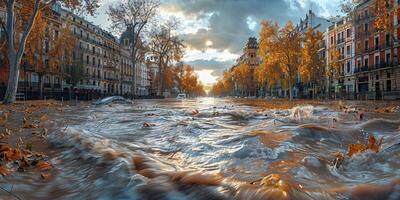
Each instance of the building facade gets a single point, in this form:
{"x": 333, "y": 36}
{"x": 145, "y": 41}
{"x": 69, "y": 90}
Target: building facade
{"x": 377, "y": 74}
{"x": 340, "y": 38}
{"x": 251, "y": 59}
{"x": 107, "y": 66}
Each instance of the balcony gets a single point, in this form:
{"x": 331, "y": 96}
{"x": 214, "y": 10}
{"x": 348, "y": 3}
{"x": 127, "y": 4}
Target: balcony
{"x": 363, "y": 33}
{"x": 366, "y": 50}
{"x": 340, "y": 41}
{"x": 361, "y": 69}
{"x": 376, "y": 67}
{"x": 363, "y": 18}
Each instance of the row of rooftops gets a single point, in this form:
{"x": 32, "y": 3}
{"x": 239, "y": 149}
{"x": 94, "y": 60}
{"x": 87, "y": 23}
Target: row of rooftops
{"x": 83, "y": 22}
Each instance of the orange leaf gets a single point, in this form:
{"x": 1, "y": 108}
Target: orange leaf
{"x": 355, "y": 148}
{"x": 372, "y": 145}
{"x": 45, "y": 176}
{"x": 13, "y": 154}
{"x": 4, "y": 171}
{"x": 43, "y": 165}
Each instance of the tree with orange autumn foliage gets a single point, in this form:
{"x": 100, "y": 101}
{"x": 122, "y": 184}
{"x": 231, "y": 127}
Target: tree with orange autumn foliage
{"x": 21, "y": 16}
{"x": 242, "y": 75}
{"x": 383, "y": 13}
{"x": 281, "y": 52}
{"x": 224, "y": 86}
{"x": 187, "y": 81}
{"x": 269, "y": 71}
{"x": 382, "y": 10}
{"x": 312, "y": 67}
{"x": 333, "y": 68}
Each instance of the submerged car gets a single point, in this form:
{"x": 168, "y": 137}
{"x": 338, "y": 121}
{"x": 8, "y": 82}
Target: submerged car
{"x": 112, "y": 99}
{"x": 181, "y": 96}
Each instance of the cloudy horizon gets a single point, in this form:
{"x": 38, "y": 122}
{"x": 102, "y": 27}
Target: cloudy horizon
{"x": 215, "y": 31}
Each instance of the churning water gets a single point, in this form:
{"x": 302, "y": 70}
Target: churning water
{"x": 216, "y": 149}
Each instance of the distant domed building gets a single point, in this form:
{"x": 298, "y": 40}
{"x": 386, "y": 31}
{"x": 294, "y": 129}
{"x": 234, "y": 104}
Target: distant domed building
{"x": 126, "y": 37}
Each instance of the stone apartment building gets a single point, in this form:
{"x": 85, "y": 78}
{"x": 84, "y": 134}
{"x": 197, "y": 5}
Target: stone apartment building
{"x": 377, "y": 74}
{"x": 153, "y": 72}
{"x": 31, "y": 76}
{"x": 106, "y": 61}
{"x": 311, "y": 20}
{"x": 251, "y": 58}
{"x": 99, "y": 53}
{"x": 340, "y": 38}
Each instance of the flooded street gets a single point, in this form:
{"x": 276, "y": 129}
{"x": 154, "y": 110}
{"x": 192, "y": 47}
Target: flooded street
{"x": 216, "y": 149}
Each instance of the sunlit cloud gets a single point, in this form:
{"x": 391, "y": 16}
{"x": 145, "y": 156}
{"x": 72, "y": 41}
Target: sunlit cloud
{"x": 209, "y": 54}
{"x": 209, "y": 43}
{"x": 206, "y": 76}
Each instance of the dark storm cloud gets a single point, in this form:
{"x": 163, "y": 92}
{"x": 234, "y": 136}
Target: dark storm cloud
{"x": 228, "y": 27}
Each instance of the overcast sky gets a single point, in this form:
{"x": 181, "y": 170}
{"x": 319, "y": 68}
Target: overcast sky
{"x": 216, "y": 30}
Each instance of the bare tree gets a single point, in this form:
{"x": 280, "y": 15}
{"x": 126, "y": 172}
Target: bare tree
{"x": 133, "y": 16}
{"x": 167, "y": 46}
{"x": 16, "y": 41}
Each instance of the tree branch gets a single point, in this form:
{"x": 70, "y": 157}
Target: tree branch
{"x": 3, "y": 26}
{"x": 28, "y": 28}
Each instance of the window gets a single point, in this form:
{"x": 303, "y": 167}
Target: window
{"x": 366, "y": 45}
{"x": 376, "y": 43}
{"x": 94, "y": 61}
{"x": 348, "y": 67}
{"x": 46, "y": 46}
{"x": 366, "y": 62}
{"x": 387, "y": 39}
{"x": 348, "y": 50}
{"x": 388, "y": 58}
{"x": 366, "y": 27}
{"x": 332, "y": 40}
{"x": 348, "y": 33}
{"x": 388, "y": 85}
{"x": 56, "y": 34}
{"x": 87, "y": 60}
{"x": 376, "y": 61}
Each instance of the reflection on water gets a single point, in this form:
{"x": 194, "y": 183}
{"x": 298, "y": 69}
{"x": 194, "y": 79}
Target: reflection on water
{"x": 216, "y": 149}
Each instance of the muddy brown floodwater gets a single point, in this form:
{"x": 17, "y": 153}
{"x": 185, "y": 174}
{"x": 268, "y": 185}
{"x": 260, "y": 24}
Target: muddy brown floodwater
{"x": 211, "y": 148}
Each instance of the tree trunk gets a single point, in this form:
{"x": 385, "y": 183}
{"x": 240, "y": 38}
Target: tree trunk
{"x": 14, "y": 56}
{"x": 161, "y": 78}
{"x": 313, "y": 97}
{"x": 290, "y": 90}
{"x": 13, "y": 76}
